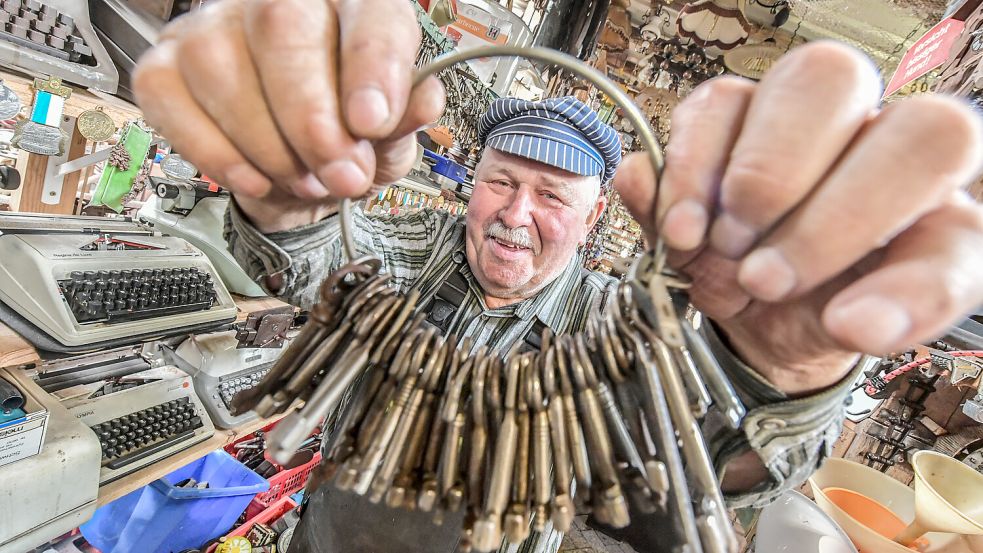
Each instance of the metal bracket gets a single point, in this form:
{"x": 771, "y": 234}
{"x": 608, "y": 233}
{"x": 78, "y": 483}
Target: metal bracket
{"x": 53, "y": 179}
{"x": 973, "y": 408}
{"x": 265, "y": 329}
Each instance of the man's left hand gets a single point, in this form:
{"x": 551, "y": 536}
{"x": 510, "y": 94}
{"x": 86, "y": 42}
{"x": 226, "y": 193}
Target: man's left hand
{"x": 815, "y": 224}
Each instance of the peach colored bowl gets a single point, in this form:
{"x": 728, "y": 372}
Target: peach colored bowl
{"x": 900, "y": 499}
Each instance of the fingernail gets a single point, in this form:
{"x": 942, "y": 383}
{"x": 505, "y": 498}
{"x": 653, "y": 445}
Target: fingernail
{"x": 766, "y": 274}
{"x": 730, "y": 237}
{"x": 243, "y": 178}
{"x": 873, "y": 323}
{"x": 368, "y": 109}
{"x": 309, "y": 187}
{"x": 343, "y": 177}
{"x": 685, "y": 225}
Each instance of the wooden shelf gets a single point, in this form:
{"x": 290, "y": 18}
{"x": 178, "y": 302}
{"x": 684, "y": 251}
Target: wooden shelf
{"x": 115, "y": 490}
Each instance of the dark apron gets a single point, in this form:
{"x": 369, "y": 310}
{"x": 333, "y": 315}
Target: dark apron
{"x": 336, "y": 521}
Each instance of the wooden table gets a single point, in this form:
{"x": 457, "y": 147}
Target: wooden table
{"x": 17, "y": 352}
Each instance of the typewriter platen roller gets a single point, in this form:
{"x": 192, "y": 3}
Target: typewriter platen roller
{"x": 88, "y": 282}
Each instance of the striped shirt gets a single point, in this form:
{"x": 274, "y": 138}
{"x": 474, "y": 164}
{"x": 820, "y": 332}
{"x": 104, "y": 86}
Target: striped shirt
{"x": 420, "y": 249}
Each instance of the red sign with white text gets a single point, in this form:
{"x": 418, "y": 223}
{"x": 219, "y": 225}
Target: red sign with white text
{"x": 927, "y": 53}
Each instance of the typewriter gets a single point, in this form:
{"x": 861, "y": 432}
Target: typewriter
{"x": 140, "y": 408}
{"x": 55, "y": 37}
{"x": 220, "y": 369}
{"x": 195, "y": 212}
{"x": 75, "y": 284}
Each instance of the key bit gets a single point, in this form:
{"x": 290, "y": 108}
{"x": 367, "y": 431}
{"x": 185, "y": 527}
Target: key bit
{"x": 380, "y": 441}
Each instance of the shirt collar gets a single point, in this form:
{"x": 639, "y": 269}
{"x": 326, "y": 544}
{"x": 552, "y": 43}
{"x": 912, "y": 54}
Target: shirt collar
{"x": 536, "y": 305}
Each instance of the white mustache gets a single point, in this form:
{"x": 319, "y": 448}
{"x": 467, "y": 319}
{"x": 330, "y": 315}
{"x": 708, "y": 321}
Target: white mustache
{"x": 518, "y": 236}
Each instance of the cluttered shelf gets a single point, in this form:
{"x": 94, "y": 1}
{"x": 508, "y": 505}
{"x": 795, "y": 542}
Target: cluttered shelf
{"x": 17, "y": 352}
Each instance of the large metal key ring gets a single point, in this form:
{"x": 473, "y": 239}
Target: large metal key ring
{"x": 545, "y": 55}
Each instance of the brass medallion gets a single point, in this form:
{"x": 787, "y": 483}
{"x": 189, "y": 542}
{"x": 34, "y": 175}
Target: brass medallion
{"x": 95, "y": 125}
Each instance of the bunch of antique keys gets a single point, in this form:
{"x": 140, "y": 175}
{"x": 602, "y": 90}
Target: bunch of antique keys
{"x": 602, "y": 421}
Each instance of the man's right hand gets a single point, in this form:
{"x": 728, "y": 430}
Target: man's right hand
{"x": 290, "y": 104}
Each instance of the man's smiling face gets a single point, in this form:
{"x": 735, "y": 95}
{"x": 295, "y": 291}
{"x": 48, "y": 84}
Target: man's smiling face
{"x": 525, "y": 221}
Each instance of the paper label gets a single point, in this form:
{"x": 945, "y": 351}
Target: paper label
{"x": 21, "y": 440}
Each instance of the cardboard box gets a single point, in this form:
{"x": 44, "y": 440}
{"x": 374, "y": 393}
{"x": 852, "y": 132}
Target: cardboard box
{"x": 23, "y": 438}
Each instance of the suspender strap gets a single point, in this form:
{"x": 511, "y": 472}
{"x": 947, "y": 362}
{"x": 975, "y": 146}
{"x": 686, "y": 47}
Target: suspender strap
{"x": 450, "y": 295}
{"x": 445, "y": 302}
{"x": 534, "y": 338}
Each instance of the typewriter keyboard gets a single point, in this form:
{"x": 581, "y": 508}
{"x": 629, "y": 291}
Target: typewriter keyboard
{"x": 127, "y": 295}
{"x": 133, "y": 437}
{"x": 43, "y": 28}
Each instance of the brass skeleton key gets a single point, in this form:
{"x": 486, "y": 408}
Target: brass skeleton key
{"x": 562, "y": 509}
{"x": 478, "y": 440}
{"x": 323, "y": 319}
{"x": 488, "y": 528}
{"x": 608, "y": 500}
{"x": 711, "y": 504}
{"x": 405, "y": 486}
{"x": 630, "y": 466}
{"x": 428, "y": 495}
{"x": 626, "y": 393}
{"x": 365, "y": 433}
{"x": 541, "y": 459}
{"x": 657, "y": 417}
{"x": 517, "y": 517}
{"x": 574, "y": 431}
{"x": 397, "y": 449}
{"x": 379, "y": 443}
{"x": 450, "y": 489}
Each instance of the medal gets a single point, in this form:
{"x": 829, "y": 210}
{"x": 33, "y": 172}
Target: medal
{"x": 39, "y": 139}
{"x": 42, "y": 134}
{"x": 95, "y": 125}
{"x": 177, "y": 168}
{"x": 9, "y": 102}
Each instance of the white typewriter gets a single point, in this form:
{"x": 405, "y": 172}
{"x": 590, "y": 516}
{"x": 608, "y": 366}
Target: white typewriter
{"x": 55, "y": 37}
{"x": 93, "y": 282}
{"x": 220, "y": 369}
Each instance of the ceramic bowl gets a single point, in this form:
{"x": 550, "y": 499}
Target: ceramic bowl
{"x": 840, "y": 473}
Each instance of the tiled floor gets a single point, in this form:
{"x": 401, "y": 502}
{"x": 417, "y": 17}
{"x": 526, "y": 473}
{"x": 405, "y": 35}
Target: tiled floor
{"x": 582, "y": 539}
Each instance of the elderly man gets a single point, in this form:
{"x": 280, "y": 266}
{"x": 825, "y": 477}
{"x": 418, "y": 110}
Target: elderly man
{"x": 815, "y": 224}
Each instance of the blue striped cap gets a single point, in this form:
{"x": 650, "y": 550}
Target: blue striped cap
{"x": 562, "y": 132}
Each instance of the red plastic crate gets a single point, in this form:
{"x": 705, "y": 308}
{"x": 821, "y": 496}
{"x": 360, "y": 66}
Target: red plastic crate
{"x": 267, "y": 516}
{"x": 283, "y": 484}
{"x": 230, "y": 448}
